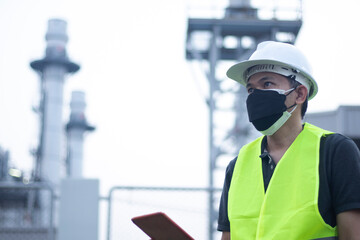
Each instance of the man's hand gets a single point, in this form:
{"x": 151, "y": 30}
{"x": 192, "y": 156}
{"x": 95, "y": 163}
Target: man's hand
{"x": 348, "y": 225}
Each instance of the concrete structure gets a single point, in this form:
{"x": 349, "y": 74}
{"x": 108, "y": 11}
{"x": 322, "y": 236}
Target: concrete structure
{"x": 52, "y": 70}
{"x": 79, "y": 208}
{"x": 344, "y": 120}
{"x": 75, "y": 130}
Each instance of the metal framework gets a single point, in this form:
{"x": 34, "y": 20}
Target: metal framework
{"x": 21, "y": 215}
{"x": 239, "y": 23}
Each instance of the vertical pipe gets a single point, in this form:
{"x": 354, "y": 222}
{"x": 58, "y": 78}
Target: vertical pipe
{"x": 52, "y": 227}
{"x": 108, "y": 230}
{"x": 213, "y": 57}
{"x": 53, "y": 78}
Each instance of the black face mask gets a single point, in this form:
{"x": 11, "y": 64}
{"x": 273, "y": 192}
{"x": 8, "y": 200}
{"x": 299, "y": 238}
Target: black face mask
{"x": 265, "y": 108}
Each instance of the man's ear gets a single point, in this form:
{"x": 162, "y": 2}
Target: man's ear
{"x": 302, "y": 93}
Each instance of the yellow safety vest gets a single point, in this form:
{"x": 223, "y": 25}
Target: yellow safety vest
{"x": 289, "y": 208}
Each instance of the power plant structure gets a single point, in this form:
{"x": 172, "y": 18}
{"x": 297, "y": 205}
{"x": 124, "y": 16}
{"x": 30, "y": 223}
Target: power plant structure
{"x": 52, "y": 69}
{"x": 244, "y": 27}
{"x": 29, "y": 209}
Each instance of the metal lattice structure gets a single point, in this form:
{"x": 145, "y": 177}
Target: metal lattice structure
{"x": 244, "y": 26}
{"x": 26, "y": 211}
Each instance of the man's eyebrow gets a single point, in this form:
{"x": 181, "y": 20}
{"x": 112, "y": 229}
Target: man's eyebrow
{"x": 265, "y": 78}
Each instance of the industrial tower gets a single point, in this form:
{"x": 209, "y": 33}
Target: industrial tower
{"x": 245, "y": 26}
{"x": 75, "y": 130}
{"x": 52, "y": 70}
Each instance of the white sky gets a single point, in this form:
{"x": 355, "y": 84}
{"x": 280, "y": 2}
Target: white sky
{"x": 151, "y": 119}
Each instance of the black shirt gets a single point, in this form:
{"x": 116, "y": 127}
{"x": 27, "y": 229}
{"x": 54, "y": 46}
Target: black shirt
{"x": 339, "y": 173}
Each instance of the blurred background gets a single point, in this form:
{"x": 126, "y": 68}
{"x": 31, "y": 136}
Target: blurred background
{"x": 157, "y": 107}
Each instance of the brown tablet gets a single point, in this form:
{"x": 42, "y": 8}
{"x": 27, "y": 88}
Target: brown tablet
{"x": 158, "y": 226}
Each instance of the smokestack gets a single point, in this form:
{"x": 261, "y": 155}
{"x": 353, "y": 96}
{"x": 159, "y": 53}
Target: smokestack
{"x": 52, "y": 69}
{"x": 75, "y": 129}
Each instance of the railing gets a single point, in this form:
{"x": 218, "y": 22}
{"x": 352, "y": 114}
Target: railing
{"x": 188, "y": 207}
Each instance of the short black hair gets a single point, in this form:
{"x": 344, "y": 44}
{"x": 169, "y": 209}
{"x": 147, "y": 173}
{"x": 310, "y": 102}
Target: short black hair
{"x": 294, "y": 84}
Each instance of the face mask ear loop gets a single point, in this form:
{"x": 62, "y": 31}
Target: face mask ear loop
{"x": 294, "y": 103}
{"x": 293, "y": 109}
{"x": 293, "y": 89}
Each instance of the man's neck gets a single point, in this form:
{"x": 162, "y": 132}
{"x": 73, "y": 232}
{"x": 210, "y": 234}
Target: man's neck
{"x": 278, "y": 143}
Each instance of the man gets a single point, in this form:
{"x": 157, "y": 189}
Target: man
{"x": 298, "y": 181}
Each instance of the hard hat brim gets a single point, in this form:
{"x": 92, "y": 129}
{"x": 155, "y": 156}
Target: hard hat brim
{"x": 237, "y": 72}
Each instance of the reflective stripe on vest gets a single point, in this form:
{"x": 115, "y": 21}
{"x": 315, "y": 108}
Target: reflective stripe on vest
{"x": 289, "y": 209}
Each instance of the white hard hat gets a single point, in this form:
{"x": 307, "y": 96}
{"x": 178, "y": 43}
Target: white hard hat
{"x": 282, "y": 58}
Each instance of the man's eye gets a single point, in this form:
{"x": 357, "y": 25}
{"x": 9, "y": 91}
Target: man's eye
{"x": 267, "y": 84}
{"x": 250, "y": 90}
